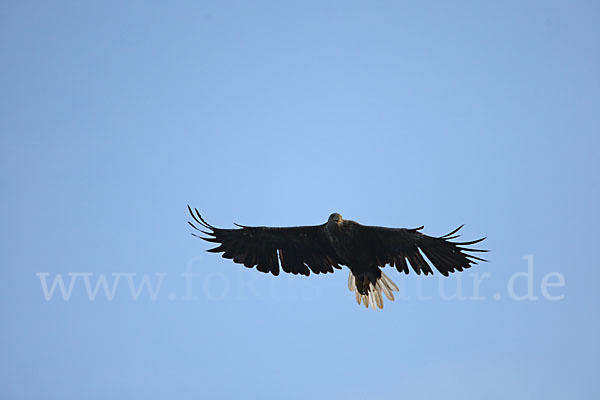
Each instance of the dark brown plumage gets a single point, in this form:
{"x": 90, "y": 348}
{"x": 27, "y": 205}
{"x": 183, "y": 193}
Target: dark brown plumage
{"x": 323, "y": 248}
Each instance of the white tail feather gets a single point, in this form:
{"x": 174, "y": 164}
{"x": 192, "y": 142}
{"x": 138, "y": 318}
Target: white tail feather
{"x": 373, "y": 295}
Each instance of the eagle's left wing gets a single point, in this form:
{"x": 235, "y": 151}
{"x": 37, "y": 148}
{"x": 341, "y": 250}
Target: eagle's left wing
{"x": 400, "y": 247}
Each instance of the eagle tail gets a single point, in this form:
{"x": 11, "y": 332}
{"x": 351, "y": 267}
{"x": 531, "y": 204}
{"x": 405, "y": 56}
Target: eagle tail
{"x": 369, "y": 292}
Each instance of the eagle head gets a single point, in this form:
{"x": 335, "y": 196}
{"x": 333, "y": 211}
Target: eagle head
{"x": 334, "y": 218}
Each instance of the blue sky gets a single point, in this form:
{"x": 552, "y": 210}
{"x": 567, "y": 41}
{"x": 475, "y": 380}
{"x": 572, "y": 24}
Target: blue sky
{"x": 115, "y": 115}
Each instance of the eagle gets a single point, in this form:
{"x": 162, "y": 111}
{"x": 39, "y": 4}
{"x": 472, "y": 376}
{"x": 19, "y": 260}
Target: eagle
{"x": 325, "y": 248}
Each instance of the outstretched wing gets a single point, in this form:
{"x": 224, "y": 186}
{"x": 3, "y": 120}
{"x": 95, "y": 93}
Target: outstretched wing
{"x": 401, "y": 247}
{"x": 299, "y": 249}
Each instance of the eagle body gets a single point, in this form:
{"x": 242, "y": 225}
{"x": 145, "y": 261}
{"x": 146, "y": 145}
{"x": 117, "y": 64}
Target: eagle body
{"x": 349, "y": 249}
{"x": 324, "y": 248}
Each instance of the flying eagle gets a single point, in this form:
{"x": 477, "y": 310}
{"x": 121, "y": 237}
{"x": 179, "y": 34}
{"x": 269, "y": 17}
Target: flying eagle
{"x": 323, "y": 248}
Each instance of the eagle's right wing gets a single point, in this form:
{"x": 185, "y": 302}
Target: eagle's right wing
{"x": 299, "y": 249}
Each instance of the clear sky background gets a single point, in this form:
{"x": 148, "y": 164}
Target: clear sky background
{"x": 115, "y": 115}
